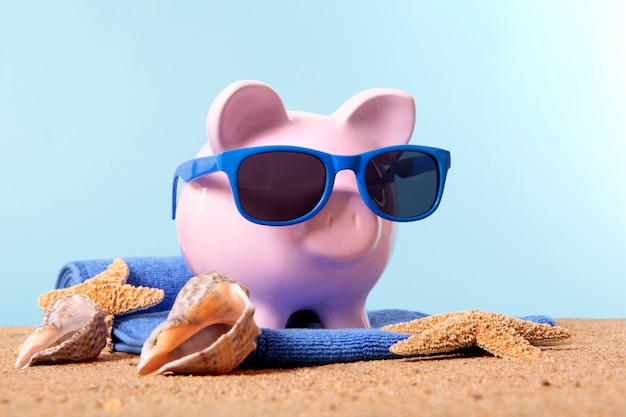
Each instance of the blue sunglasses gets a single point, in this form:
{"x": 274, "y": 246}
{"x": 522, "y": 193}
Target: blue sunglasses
{"x": 284, "y": 185}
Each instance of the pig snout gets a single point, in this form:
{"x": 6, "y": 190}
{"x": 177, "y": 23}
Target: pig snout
{"x": 344, "y": 229}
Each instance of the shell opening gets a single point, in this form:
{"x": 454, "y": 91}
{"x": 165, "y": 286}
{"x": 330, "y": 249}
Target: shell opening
{"x": 205, "y": 320}
{"x": 59, "y": 330}
{"x": 214, "y": 317}
{"x": 199, "y": 341}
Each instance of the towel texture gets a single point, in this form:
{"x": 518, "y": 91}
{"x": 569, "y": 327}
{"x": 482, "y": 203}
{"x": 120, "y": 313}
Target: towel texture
{"x": 275, "y": 348}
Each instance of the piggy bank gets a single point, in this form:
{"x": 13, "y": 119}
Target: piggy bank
{"x": 322, "y": 267}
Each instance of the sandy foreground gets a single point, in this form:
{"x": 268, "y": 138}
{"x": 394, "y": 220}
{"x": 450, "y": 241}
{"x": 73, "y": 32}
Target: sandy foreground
{"x": 587, "y": 377}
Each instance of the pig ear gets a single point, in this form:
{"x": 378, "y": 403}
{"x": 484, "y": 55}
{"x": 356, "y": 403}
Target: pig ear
{"x": 386, "y": 115}
{"x": 241, "y": 111}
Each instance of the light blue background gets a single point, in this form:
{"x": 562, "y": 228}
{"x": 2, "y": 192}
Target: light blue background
{"x": 100, "y": 101}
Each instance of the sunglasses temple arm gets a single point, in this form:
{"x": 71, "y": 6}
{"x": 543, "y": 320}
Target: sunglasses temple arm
{"x": 191, "y": 170}
{"x": 174, "y": 196}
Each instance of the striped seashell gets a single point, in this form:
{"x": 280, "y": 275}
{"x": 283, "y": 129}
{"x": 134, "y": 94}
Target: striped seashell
{"x": 209, "y": 331}
{"x": 72, "y": 329}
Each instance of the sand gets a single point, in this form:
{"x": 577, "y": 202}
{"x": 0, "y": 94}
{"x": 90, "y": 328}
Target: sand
{"x": 587, "y": 377}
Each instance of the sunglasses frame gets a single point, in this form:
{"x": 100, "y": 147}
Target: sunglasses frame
{"x": 230, "y": 161}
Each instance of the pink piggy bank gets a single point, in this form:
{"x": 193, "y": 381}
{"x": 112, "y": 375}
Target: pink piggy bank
{"x": 326, "y": 262}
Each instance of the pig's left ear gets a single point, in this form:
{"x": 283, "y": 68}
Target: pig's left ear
{"x": 386, "y": 115}
{"x": 241, "y": 111}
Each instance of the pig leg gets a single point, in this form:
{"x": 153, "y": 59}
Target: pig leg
{"x": 270, "y": 317}
{"x": 341, "y": 318}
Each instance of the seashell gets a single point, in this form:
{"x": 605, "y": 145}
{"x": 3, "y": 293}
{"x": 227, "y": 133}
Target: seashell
{"x": 72, "y": 329}
{"x": 209, "y": 331}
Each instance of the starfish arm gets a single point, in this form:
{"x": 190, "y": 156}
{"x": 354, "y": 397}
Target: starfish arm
{"x": 129, "y": 298}
{"x": 505, "y": 342}
{"x": 409, "y": 327}
{"x": 117, "y": 273}
{"x": 121, "y": 299}
{"x": 443, "y": 337}
{"x": 45, "y": 300}
{"x": 419, "y": 325}
{"x": 541, "y": 333}
{"x": 108, "y": 320}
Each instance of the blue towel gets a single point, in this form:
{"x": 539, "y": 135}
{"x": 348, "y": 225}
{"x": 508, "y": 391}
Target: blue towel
{"x": 275, "y": 348}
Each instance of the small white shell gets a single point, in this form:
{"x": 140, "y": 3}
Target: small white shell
{"x": 209, "y": 331}
{"x": 72, "y": 329}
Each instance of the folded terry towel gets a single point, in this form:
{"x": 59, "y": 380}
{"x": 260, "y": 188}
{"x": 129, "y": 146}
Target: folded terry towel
{"x": 288, "y": 347}
{"x": 275, "y": 348}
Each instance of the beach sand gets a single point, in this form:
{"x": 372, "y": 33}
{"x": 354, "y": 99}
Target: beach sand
{"x": 587, "y": 377}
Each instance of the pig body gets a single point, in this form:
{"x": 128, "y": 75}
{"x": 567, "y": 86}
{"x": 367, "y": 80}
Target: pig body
{"x": 326, "y": 265}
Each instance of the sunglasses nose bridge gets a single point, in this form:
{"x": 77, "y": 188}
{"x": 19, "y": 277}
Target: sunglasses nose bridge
{"x": 346, "y": 162}
{"x": 344, "y": 180}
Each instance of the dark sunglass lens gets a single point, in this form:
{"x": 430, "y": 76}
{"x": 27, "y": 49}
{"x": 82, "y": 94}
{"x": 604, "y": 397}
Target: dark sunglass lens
{"x": 280, "y": 186}
{"x": 402, "y": 184}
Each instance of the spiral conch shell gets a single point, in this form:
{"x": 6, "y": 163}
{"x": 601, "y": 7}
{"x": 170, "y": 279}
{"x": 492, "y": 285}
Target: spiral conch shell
{"x": 209, "y": 331}
{"x": 73, "y": 329}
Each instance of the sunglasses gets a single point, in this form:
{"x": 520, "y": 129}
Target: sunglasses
{"x": 284, "y": 185}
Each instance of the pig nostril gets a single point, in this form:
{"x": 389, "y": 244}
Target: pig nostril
{"x": 355, "y": 220}
{"x": 330, "y": 220}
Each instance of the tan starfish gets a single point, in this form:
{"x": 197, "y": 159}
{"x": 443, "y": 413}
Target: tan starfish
{"x": 110, "y": 292}
{"x": 500, "y": 335}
